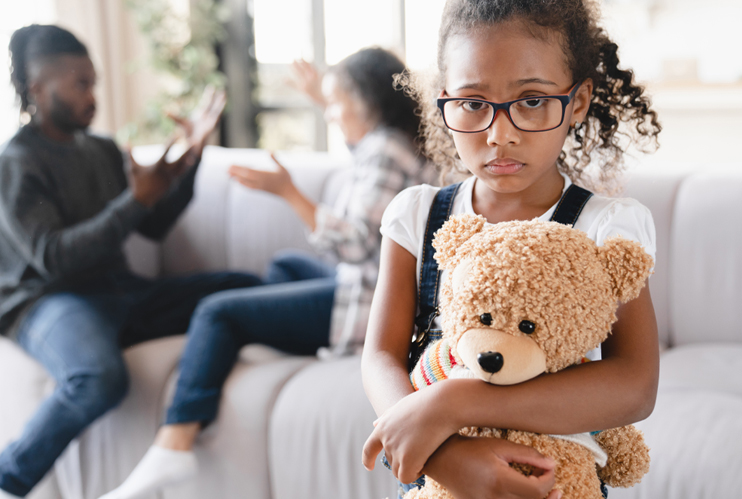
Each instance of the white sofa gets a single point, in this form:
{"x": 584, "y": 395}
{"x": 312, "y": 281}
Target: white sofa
{"x": 293, "y": 427}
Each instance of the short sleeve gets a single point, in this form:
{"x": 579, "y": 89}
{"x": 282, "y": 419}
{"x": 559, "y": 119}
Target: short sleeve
{"x": 630, "y": 219}
{"x": 404, "y": 218}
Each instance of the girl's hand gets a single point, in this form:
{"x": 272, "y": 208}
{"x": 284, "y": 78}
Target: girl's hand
{"x": 276, "y": 182}
{"x": 410, "y": 432}
{"x": 479, "y": 468}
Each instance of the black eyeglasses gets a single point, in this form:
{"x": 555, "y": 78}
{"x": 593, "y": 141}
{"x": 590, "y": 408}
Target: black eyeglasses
{"x": 530, "y": 114}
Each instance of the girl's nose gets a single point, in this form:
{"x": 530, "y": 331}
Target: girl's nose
{"x": 502, "y": 131}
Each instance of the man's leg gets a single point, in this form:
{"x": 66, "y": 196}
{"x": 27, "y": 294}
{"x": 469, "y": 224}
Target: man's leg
{"x": 75, "y": 338}
{"x": 163, "y": 307}
{"x": 294, "y": 265}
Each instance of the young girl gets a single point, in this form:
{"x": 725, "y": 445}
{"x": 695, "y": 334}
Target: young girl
{"x": 528, "y": 92}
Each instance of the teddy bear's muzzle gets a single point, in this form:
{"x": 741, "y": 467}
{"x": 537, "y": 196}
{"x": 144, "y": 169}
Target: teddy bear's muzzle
{"x": 500, "y": 358}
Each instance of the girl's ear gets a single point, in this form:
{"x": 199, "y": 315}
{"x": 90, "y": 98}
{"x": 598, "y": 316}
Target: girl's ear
{"x": 628, "y": 265}
{"x": 582, "y": 100}
{"x": 455, "y": 232}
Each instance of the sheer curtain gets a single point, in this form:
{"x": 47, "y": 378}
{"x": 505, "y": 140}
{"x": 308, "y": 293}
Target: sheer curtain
{"x": 118, "y": 52}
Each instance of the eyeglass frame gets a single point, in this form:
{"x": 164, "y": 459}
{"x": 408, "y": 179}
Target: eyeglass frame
{"x": 565, "y": 99}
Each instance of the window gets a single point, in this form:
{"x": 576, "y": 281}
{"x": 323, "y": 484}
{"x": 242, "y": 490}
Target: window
{"x": 320, "y": 31}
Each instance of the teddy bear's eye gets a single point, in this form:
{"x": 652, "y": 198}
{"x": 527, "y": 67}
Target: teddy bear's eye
{"x": 527, "y": 327}
{"x": 486, "y": 319}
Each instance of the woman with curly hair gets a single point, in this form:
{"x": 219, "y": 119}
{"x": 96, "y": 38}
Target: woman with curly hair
{"x": 530, "y": 100}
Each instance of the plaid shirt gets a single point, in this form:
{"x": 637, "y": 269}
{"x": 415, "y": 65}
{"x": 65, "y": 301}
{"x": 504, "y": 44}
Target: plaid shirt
{"x": 386, "y": 162}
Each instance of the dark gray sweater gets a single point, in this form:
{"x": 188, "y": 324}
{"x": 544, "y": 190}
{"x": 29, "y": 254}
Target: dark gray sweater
{"x": 65, "y": 210}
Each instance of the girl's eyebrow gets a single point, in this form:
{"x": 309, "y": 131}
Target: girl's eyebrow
{"x": 518, "y": 83}
{"x": 526, "y": 81}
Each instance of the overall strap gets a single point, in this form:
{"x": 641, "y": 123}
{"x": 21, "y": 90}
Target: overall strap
{"x": 567, "y": 212}
{"x": 570, "y": 205}
{"x": 427, "y": 294}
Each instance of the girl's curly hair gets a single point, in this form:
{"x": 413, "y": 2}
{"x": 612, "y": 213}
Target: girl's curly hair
{"x": 589, "y": 52}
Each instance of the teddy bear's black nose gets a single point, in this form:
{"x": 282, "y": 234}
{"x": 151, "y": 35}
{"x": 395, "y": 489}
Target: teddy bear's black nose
{"x": 491, "y": 362}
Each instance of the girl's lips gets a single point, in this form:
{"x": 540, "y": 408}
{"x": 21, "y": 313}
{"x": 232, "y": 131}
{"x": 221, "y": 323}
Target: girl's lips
{"x": 504, "y": 166}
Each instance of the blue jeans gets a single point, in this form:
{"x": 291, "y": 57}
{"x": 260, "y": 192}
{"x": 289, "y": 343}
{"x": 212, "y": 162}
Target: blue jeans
{"x": 78, "y": 334}
{"x": 291, "y": 312}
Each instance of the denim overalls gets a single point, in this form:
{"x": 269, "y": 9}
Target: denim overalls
{"x": 567, "y": 211}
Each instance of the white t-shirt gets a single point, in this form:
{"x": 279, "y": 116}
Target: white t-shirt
{"x": 406, "y": 217}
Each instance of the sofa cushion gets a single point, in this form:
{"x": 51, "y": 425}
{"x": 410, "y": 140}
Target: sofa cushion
{"x": 713, "y": 367}
{"x": 232, "y": 452}
{"x": 693, "y": 436}
{"x": 657, "y": 191}
{"x": 706, "y": 262}
{"x": 319, "y": 425}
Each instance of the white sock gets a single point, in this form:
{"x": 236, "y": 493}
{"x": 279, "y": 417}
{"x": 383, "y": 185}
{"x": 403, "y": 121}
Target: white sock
{"x": 158, "y": 468}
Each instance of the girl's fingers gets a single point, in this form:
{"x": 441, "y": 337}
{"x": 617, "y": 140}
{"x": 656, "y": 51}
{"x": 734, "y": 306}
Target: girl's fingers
{"x": 526, "y": 455}
{"x": 527, "y": 486}
{"x": 371, "y": 450}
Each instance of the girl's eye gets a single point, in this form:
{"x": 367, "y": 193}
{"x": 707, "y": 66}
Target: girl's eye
{"x": 527, "y": 327}
{"x": 472, "y": 106}
{"x": 486, "y": 319}
{"x": 532, "y": 103}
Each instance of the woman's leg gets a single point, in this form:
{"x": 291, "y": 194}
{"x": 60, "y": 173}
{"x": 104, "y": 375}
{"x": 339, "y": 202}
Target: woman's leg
{"x": 294, "y": 317}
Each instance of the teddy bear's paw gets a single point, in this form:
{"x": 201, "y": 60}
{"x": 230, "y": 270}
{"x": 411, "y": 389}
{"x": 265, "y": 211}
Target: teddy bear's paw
{"x": 575, "y": 472}
{"x": 628, "y": 456}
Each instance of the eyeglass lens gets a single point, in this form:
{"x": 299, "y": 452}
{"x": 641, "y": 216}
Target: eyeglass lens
{"x": 530, "y": 114}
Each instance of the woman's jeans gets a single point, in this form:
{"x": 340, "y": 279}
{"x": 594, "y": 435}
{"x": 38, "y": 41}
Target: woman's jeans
{"x": 291, "y": 312}
{"x": 78, "y": 336}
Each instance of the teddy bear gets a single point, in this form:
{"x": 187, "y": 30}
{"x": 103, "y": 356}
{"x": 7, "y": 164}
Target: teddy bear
{"x": 530, "y": 297}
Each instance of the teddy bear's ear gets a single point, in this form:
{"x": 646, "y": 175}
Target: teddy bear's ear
{"x": 452, "y": 235}
{"x": 628, "y": 265}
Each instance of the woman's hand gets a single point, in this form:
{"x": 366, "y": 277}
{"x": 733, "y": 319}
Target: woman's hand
{"x": 410, "y": 432}
{"x": 203, "y": 120}
{"x": 306, "y": 79}
{"x": 276, "y": 182}
{"x": 479, "y": 468}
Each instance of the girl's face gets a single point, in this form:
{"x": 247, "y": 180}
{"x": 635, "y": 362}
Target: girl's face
{"x": 501, "y": 63}
{"x": 345, "y": 110}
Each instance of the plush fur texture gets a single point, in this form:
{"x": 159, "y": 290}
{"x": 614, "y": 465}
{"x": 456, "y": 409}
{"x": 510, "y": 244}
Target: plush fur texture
{"x": 541, "y": 295}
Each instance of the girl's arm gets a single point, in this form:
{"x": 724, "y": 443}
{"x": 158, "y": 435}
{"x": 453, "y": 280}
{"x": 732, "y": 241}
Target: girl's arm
{"x": 616, "y": 391}
{"x": 472, "y": 468}
{"x": 389, "y": 332}
{"x": 619, "y": 390}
